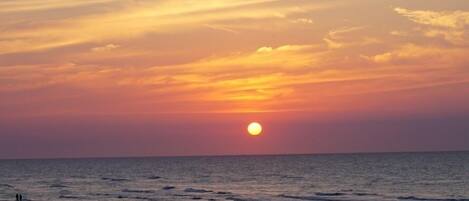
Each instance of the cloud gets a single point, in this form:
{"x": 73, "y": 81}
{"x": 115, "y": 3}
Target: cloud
{"x": 333, "y": 44}
{"x": 347, "y": 36}
{"x": 29, "y": 6}
{"x": 263, "y": 60}
{"x": 135, "y": 19}
{"x": 221, "y": 28}
{"x": 243, "y": 79}
{"x": 339, "y": 33}
{"x": 107, "y": 47}
{"x": 398, "y": 33}
{"x": 287, "y": 57}
{"x": 303, "y": 21}
{"x": 451, "y": 19}
{"x": 264, "y": 49}
{"x": 455, "y": 37}
{"x": 166, "y": 56}
{"x": 412, "y": 53}
{"x": 267, "y": 78}
{"x": 447, "y": 25}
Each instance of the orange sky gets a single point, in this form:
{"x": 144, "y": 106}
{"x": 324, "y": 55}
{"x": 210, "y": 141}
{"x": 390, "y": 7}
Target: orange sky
{"x": 261, "y": 58}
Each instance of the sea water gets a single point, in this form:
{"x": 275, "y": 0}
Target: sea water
{"x": 327, "y": 177}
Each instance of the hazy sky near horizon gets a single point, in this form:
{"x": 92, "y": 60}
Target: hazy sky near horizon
{"x": 137, "y": 77}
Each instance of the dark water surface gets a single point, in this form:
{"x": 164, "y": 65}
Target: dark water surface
{"x": 388, "y": 176}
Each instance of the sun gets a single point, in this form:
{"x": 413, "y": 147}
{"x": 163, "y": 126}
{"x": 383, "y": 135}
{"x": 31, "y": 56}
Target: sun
{"x": 254, "y": 128}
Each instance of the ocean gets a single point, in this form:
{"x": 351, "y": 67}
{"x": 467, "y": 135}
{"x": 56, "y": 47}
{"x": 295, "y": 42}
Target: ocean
{"x": 438, "y": 176}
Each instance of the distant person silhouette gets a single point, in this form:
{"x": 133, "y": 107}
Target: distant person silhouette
{"x": 19, "y": 197}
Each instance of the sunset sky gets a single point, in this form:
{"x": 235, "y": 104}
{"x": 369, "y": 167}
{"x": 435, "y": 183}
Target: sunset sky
{"x": 144, "y": 78}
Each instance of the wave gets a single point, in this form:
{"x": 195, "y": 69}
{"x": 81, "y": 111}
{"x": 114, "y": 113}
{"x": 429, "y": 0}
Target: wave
{"x": 329, "y": 194}
{"x": 223, "y": 193}
{"x": 114, "y": 179}
{"x": 71, "y": 197}
{"x": 168, "y": 187}
{"x": 315, "y": 198}
{"x": 154, "y": 177}
{"x": 137, "y": 191}
{"x": 194, "y": 190}
{"x": 144, "y": 198}
{"x": 239, "y": 199}
{"x": 365, "y": 194}
{"x": 6, "y": 185}
{"x": 136, "y": 197}
{"x": 58, "y": 186}
{"x": 65, "y": 192}
{"x": 431, "y": 199}
{"x": 101, "y": 194}
{"x": 291, "y": 177}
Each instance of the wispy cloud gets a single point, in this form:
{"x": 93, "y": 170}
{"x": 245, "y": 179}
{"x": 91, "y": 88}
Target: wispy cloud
{"x": 303, "y": 21}
{"x": 136, "y": 20}
{"x": 412, "y": 53}
{"x": 448, "y": 25}
{"x": 216, "y": 56}
{"x": 107, "y": 47}
{"x": 347, "y": 36}
{"x": 9, "y": 6}
{"x": 452, "y": 19}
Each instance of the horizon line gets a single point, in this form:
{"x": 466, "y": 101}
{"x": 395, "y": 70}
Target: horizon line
{"x": 232, "y": 155}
